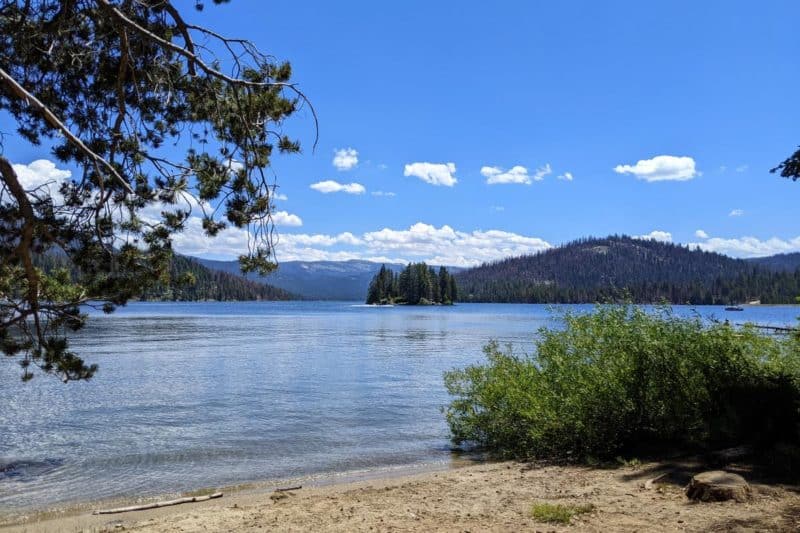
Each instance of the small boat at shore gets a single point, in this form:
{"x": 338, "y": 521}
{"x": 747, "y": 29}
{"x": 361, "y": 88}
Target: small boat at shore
{"x": 734, "y": 308}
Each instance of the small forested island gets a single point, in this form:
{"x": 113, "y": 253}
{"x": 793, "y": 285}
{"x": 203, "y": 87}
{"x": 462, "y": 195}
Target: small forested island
{"x": 417, "y": 284}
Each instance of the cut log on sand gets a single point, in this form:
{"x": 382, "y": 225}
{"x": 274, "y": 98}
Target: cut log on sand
{"x": 155, "y": 505}
{"x": 717, "y": 486}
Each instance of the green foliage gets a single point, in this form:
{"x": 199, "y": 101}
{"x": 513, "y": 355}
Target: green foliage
{"x": 622, "y": 379}
{"x": 191, "y": 281}
{"x": 620, "y": 268}
{"x": 186, "y": 280}
{"x": 557, "y": 513}
{"x": 790, "y": 168}
{"x": 161, "y": 119}
{"x": 417, "y": 284}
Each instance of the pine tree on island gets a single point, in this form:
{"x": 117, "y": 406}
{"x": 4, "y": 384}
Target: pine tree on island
{"x": 417, "y": 284}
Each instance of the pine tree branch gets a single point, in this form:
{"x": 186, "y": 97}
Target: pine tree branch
{"x": 54, "y": 121}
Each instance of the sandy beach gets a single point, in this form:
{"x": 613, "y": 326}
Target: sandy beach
{"x": 479, "y": 497}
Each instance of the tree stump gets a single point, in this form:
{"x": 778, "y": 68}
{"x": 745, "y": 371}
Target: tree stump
{"x": 717, "y": 486}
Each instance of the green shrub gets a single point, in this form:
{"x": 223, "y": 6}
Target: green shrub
{"x": 624, "y": 379}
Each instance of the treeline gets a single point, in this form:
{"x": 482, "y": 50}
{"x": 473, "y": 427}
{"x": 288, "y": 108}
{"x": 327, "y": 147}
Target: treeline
{"x": 623, "y": 268}
{"x": 189, "y": 281}
{"x": 416, "y": 284}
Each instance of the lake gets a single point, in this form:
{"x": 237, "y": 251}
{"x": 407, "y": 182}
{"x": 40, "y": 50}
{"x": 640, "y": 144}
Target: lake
{"x": 194, "y": 395}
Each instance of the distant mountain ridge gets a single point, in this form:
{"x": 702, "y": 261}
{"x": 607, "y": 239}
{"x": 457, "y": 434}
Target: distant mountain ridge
{"x": 616, "y": 267}
{"x": 317, "y": 280}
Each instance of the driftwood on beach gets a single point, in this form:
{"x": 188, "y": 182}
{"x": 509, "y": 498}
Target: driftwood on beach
{"x": 156, "y": 505}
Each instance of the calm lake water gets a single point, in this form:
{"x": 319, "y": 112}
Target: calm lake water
{"x": 194, "y": 395}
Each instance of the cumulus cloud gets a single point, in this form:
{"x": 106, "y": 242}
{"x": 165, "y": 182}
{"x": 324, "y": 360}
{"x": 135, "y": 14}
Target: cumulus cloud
{"x": 419, "y": 242}
{"x": 700, "y": 234}
{"x": 433, "y": 173}
{"x": 282, "y": 218}
{"x": 656, "y": 235}
{"x": 329, "y": 186}
{"x": 445, "y": 245}
{"x": 749, "y": 246}
{"x": 566, "y": 176}
{"x": 661, "y": 168}
{"x": 383, "y": 193}
{"x": 300, "y": 239}
{"x": 280, "y": 196}
{"x": 345, "y": 158}
{"x": 517, "y": 174}
{"x": 42, "y": 178}
{"x": 736, "y": 213}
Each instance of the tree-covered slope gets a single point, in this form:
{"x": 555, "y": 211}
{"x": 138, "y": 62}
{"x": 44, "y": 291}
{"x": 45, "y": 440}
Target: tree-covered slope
{"x": 191, "y": 281}
{"x": 779, "y": 262}
{"x": 208, "y": 284}
{"x": 590, "y": 270}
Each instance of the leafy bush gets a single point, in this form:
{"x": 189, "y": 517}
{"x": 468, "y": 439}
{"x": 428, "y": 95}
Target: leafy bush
{"x": 622, "y": 379}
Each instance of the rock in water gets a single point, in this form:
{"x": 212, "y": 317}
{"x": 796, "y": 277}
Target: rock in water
{"x": 717, "y": 486}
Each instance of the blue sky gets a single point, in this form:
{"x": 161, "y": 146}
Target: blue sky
{"x": 702, "y": 93}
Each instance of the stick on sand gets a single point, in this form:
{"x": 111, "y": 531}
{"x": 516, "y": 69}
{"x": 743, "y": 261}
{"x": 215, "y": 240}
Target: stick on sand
{"x": 156, "y": 505}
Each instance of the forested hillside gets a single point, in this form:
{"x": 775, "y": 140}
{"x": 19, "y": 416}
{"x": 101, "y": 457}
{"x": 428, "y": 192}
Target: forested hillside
{"x": 207, "y": 284}
{"x": 779, "y": 262}
{"x": 191, "y": 281}
{"x": 618, "y": 267}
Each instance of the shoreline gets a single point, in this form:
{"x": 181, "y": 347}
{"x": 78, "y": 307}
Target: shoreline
{"x": 28, "y": 516}
{"x": 485, "y": 496}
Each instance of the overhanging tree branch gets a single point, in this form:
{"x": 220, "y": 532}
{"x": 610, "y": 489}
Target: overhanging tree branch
{"x": 53, "y": 120}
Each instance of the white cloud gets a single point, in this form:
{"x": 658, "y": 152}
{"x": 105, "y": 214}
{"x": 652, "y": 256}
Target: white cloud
{"x": 282, "y": 218}
{"x": 742, "y": 168}
{"x": 700, "y": 234}
{"x": 656, "y": 235}
{"x": 736, "y": 213}
{"x": 329, "y": 186}
{"x": 420, "y": 242}
{"x": 517, "y": 174}
{"x": 345, "y": 158}
{"x": 299, "y": 239}
{"x": 383, "y": 193}
{"x": 498, "y": 208}
{"x": 749, "y": 246}
{"x": 433, "y": 173}
{"x": 566, "y": 176}
{"x": 41, "y": 178}
{"x": 280, "y": 196}
{"x": 661, "y": 168}
{"x": 446, "y": 245}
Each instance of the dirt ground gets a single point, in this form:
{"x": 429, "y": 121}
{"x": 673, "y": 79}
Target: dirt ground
{"x": 481, "y": 497}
